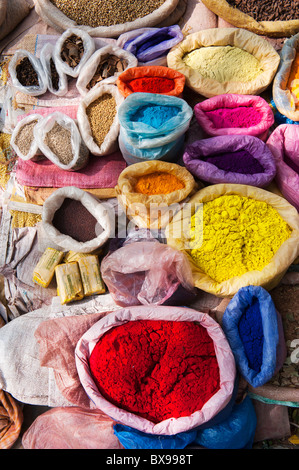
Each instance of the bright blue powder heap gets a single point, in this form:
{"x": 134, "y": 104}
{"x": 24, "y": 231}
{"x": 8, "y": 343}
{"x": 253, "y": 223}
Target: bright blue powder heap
{"x": 154, "y": 115}
{"x": 251, "y": 334}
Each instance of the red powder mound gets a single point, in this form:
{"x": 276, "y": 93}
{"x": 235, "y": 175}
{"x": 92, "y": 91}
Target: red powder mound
{"x": 152, "y": 85}
{"x": 156, "y": 369}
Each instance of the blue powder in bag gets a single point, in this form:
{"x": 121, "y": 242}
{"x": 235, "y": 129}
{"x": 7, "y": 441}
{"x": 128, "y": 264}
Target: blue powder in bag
{"x": 251, "y": 334}
{"x": 154, "y": 115}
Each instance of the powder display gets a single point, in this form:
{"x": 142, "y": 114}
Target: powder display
{"x": 156, "y": 369}
{"x": 293, "y": 81}
{"x": 239, "y": 234}
{"x": 158, "y": 183}
{"x": 151, "y": 85}
{"x": 224, "y": 63}
{"x": 26, "y": 73}
{"x": 268, "y": 10}
{"x": 101, "y": 113}
{"x": 73, "y": 219}
{"x": 154, "y": 115}
{"x": 240, "y": 116}
{"x": 25, "y": 137}
{"x": 106, "y": 12}
{"x": 250, "y": 329}
{"x": 59, "y": 141}
{"x": 240, "y": 161}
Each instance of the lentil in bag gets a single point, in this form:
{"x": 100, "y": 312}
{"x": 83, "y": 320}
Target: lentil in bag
{"x": 22, "y": 139}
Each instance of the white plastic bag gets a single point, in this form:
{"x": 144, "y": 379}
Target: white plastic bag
{"x": 36, "y": 64}
{"x": 45, "y": 56}
{"x": 91, "y": 65}
{"x": 34, "y": 152}
{"x": 80, "y": 152}
{"x": 109, "y": 144}
{"x": 88, "y": 46}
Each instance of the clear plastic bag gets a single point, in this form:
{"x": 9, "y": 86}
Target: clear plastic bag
{"x": 36, "y": 64}
{"x": 45, "y": 56}
{"x": 34, "y": 152}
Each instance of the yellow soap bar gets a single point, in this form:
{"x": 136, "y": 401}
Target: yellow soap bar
{"x": 69, "y": 284}
{"x": 89, "y": 267}
{"x": 45, "y": 268}
{"x": 75, "y": 256}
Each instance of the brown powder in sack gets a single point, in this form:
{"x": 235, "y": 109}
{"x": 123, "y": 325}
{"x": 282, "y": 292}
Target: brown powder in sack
{"x": 58, "y": 139}
{"x": 25, "y": 137}
{"x": 101, "y": 113}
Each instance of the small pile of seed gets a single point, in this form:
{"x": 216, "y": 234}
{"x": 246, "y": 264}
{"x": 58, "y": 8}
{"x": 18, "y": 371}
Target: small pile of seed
{"x": 72, "y": 50}
{"x": 109, "y": 66}
{"x": 101, "y": 113}
{"x": 268, "y": 10}
{"x": 26, "y": 74}
{"x": 106, "y": 12}
{"x": 54, "y": 75}
{"x": 25, "y": 137}
{"x": 58, "y": 139}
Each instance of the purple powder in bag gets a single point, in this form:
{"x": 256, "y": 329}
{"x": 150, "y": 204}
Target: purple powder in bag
{"x": 240, "y": 161}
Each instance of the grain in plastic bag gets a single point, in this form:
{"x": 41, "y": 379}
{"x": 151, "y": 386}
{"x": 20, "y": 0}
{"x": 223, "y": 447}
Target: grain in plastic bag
{"x": 47, "y": 59}
{"x": 86, "y": 75}
{"x": 130, "y": 315}
{"x": 22, "y": 139}
{"x": 33, "y": 90}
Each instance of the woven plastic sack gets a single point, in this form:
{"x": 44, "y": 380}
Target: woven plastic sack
{"x": 285, "y": 101}
{"x": 109, "y": 144}
{"x": 46, "y": 54}
{"x": 150, "y": 312}
{"x": 36, "y": 64}
{"x": 231, "y": 101}
{"x": 177, "y": 233}
{"x": 260, "y": 48}
{"x": 57, "y": 20}
{"x": 283, "y": 143}
{"x": 34, "y": 152}
{"x": 236, "y": 17}
{"x": 195, "y": 154}
{"x": 90, "y": 67}
{"x": 230, "y": 324}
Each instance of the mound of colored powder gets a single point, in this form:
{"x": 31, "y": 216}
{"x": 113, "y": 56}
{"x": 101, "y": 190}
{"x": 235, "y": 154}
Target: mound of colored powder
{"x": 251, "y": 334}
{"x": 154, "y": 115}
{"x": 156, "y": 369}
{"x": 234, "y": 235}
{"x": 224, "y": 63}
{"x": 240, "y": 161}
{"x": 152, "y": 85}
{"x": 240, "y": 117}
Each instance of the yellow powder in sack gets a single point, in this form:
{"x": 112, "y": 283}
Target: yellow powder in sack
{"x": 224, "y": 63}
{"x": 239, "y": 235}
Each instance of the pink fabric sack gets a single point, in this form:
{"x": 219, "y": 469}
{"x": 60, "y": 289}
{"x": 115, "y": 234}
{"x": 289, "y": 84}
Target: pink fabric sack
{"x": 232, "y": 103}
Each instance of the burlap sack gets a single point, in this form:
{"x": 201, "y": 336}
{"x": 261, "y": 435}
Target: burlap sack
{"x": 56, "y": 19}
{"x": 237, "y": 18}
{"x": 12, "y": 12}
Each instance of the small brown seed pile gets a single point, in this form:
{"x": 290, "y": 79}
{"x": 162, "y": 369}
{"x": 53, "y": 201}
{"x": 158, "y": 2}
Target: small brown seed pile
{"x": 26, "y": 74}
{"x": 106, "y": 12}
{"x": 101, "y": 114}
{"x": 109, "y": 66}
{"x": 72, "y": 50}
{"x": 268, "y": 10}
{"x": 58, "y": 139}
{"x": 54, "y": 75}
{"x": 25, "y": 137}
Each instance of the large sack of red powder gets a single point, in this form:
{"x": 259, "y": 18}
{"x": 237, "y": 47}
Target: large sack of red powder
{"x": 235, "y": 114}
{"x": 237, "y": 159}
{"x": 158, "y": 369}
{"x": 284, "y": 145}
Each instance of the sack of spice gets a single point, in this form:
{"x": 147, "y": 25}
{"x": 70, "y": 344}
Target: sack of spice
{"x": 151, "y": 192}
{"x": 218, "y": 61}
{"x": 241, "y": 159}
{"x": 252, "y": 241}
{"x": 235, "y": 114}
{"x": 251, "y": 325}
{"x": 147, "y": 272}
{"x": 151, "y": 45}
{"x": 57, "y": 80}
{"x": 27, "y": 74}
{"x": 72, "y": 50}
{"x": 74, "y": 219}
{"x": 22, "y": 138}
{"x": 283, "y": 144}
{"x": 151, "y": 79}
{"x": 285, "y": 84}
{"x": 104, "y": 19}
{"x": 97, "y": 117}
{"x": 272, "y": 18}
{"x": 150, "y": 341}
{"x": 104, "y": 66}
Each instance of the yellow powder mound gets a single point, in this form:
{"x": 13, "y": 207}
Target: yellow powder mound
{"x": 239, "y": 235}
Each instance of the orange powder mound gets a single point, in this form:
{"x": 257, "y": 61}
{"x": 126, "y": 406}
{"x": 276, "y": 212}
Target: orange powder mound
{"x": 158, "y": 183}
{"x": 293, "y": 81}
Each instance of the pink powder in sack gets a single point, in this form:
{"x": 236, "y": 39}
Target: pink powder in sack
{"x": 241, "y": 116}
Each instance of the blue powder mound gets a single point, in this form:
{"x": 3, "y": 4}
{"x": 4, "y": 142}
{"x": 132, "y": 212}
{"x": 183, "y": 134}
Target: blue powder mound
{"x": 154, "y": 115}
{"x": 251, "y": 334}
